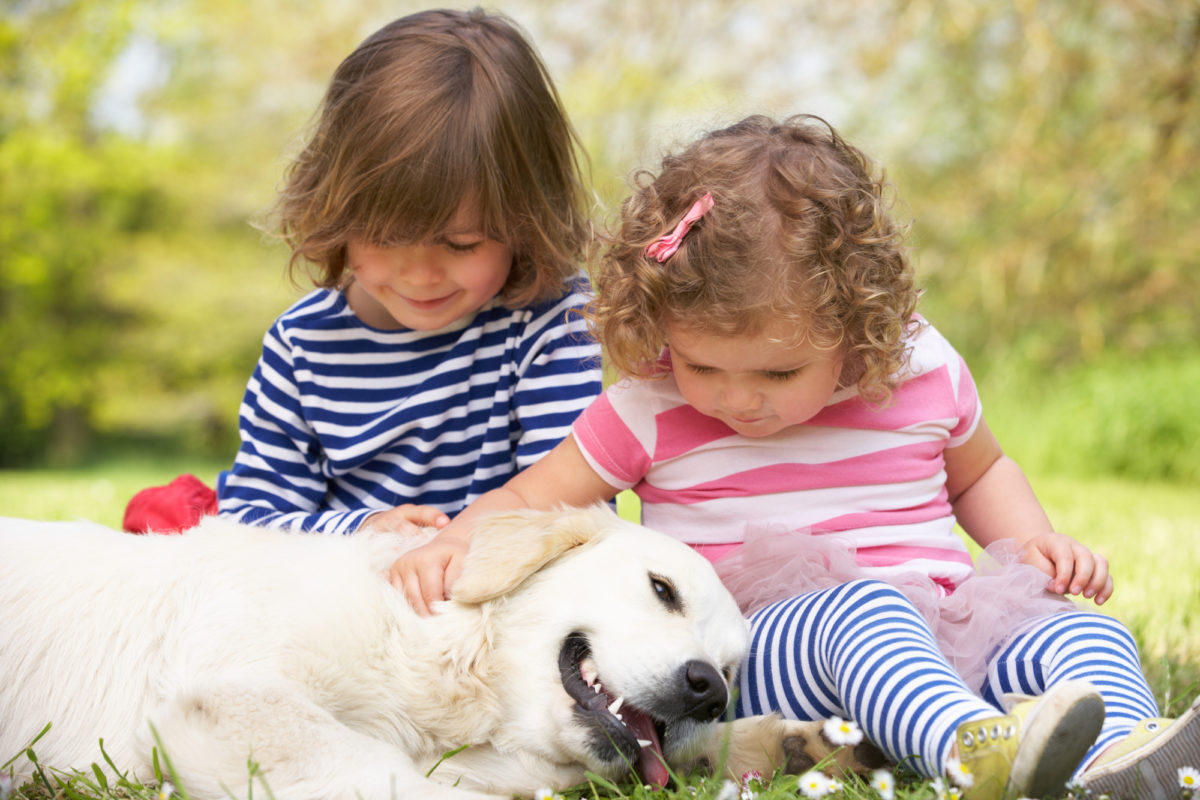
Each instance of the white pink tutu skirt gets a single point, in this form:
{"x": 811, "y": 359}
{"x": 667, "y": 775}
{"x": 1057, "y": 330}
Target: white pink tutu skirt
{"x": 969, "y": 624}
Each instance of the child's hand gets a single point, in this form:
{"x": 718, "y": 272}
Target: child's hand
{"x": 404, "y": 516}
{"x": 1073, "y": 569}
{"x": 425, "y": 574}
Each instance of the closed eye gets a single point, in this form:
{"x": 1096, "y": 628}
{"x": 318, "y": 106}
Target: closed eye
{"x": 462, "y": 247}
{"x": 782, "y": 375}
{"x": 664, "y": 590}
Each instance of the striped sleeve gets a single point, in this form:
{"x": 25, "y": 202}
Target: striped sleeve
{"x": 276, "y": 477}
{"x": 613, "y": 450}
{"x": 558, "y": 376}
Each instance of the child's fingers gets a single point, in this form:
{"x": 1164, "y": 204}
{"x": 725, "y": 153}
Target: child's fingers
{"x": 1100, "y": 588}
{"x": 404, "y": 576}
{"x": 1083, "y": 567}
{"x": 407, "y": 518}
{"x": 431, "y": 589}
{"x": 1061, "y": 562}
{"x": 1034, "y": 557}
{"x": 1064, "y": 571}
{"x": 426, "y": 516}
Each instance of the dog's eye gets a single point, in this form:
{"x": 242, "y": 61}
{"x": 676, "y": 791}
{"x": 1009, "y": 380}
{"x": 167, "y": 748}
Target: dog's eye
{"x": 665, "y": 592}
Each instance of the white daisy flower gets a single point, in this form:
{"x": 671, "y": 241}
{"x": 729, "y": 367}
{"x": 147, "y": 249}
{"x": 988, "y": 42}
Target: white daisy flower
{"x": 814, "y": 784}
{"x": 1189, "y": 778}
{"x": 960, "y": 774}
{"x": 752, "y": 782}
{"x": 546, "y": 793}
{"x": 842, "y": 731}
{"x": 883, "y": 783}
{"x": 729, "y": 791}
{"x": 165, "y": 791}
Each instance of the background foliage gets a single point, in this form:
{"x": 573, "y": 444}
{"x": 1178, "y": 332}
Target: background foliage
{"x": 1045, "y": 154}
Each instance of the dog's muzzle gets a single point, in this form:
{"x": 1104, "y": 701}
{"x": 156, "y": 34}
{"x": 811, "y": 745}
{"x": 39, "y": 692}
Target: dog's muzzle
{"x": 622, "y": 731}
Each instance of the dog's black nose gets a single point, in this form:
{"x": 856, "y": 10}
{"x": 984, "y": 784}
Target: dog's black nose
{"x": 706, "y": 689}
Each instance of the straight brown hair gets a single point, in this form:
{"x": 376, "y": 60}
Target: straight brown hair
{"x": 437, "y": 109}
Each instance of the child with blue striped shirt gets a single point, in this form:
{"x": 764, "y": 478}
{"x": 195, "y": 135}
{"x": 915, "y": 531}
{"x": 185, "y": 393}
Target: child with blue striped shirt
{"x": 440, "y": 207}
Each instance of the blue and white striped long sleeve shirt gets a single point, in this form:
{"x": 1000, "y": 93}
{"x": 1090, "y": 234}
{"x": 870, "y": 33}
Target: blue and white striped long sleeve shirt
{"x": 340, "y": 420}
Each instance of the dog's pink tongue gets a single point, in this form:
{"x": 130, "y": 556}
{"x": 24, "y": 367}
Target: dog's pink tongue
{"x": 650, "y": 759}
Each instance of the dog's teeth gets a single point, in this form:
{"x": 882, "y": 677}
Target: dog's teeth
{"x": 616, "y": 705}
{"x": 597, "y": 688}
{"x": 587, "y": 669}
{"x": 644, "y": 742}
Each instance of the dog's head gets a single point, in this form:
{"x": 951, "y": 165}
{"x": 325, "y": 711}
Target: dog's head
{"x": 620, "y": 644}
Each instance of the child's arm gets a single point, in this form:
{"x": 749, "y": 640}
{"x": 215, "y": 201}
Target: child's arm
{"x": 562, "y": 477}
{"x": 276, "y": 480}
{"x": 993, "y": 500}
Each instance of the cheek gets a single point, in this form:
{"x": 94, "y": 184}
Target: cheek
{"x": 792, "y": 403}
{"x": 493, "y": 280}
{"x": 692, "y": 390}
{"x": 369, "y": 272}
{"x": 487, "y": 273}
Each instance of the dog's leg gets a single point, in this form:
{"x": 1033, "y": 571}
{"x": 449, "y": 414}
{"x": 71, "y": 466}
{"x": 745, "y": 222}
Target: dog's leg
{"x": 213, "y": 735}
{"x": 766, "y": 743}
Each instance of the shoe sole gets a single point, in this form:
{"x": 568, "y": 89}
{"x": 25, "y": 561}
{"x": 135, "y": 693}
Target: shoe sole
{"x": 1154, "y": 776}
{"x": 1057, "y": 735}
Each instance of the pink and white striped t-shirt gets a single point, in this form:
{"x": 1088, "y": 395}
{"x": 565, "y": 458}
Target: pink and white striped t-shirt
{"x": 876, "y": 476}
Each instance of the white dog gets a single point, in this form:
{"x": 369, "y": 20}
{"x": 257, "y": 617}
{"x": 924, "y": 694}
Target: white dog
{"x": 574, "y": 641}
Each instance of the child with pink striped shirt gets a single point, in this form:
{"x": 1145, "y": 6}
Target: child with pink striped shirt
{"x": 786, "y": 412}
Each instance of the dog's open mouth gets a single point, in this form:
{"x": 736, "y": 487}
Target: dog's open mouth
{"x": 621, "y": 730}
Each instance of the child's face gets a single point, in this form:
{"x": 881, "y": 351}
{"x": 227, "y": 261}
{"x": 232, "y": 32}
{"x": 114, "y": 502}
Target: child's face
{"x": 757, "y": 385}
{"x": 430, "y": 285}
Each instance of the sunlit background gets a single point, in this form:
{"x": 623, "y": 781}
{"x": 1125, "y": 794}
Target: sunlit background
{"x": 1044, "y": 153}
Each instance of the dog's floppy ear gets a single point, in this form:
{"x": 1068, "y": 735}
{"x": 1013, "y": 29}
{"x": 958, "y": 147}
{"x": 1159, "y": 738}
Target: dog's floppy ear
{"x": 508, "y": 547}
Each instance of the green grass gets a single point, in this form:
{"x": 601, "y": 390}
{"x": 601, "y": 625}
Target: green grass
{"x": 1148, "y": 531}
{"x": 98, "y": 492}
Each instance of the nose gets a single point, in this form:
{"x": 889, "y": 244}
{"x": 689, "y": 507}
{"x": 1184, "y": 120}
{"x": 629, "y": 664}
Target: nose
{"x": 421, "y": 268}
{"x": 737, "y": 397}
{"x": 704, "y": 690}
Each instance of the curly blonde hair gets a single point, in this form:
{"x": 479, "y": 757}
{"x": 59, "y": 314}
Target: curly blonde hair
{"x": 799, "y": 233}
{"x": 437, "y": 109}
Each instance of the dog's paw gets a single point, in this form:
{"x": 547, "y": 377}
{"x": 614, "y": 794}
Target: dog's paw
{"x": 807, "y": 746}
{"x": 766, "y": 743}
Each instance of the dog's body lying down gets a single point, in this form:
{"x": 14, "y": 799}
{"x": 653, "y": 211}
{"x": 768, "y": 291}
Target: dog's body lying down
{"x": 236, "y": 645}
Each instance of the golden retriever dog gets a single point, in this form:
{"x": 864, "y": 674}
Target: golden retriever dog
{"x": 574, "y": 641}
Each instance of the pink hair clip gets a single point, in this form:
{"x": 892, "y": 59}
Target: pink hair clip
{"x": 665, "y": 246}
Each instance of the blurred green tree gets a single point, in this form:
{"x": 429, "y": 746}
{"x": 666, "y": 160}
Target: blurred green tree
{"x": 69, "y": 195}
{"x": 1050, "y": 154}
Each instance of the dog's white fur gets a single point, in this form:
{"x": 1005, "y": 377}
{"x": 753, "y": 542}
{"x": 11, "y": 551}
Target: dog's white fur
{"x": 239, "y": 644}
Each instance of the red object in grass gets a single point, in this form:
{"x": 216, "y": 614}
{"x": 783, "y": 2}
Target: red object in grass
{"x": 179, "y": 505}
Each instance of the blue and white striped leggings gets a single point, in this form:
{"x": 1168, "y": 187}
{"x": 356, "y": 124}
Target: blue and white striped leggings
{"x": 861, "y": 651}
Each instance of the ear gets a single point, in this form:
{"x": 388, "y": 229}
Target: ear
{"x": 508, "y": 547}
